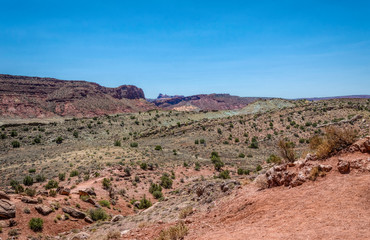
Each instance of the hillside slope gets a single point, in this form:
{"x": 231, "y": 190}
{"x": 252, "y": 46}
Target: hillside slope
{"x": 34, "y": 97}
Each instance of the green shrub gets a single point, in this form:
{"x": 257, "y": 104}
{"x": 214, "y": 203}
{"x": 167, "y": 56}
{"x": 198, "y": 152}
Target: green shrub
{"x": 73, "y": 173}
{"x": 274, "y": 159}
{"x": 30, "y": 192}
{"x": 28, "y": 181}
{"x": 59, "y": 140}
{"x": 197, "y": 166}
{"x": 105, "y": 203}
{"x": 157, "y": 194}
{"x": 62, "y": 176}
{"x": 37, "y": 140}
{"x": 134, "y": 144}
{"x": 155, "y": 187}
{"x": 106, "y": 183}
{"x": 166, "y": 181}
{"x": 258, "y": 168}
{"x": 98, "y": 214}
{"x": 144, "y": 203}
{"x": 16, "y": 144}
{"x": 144, "y": 166}
{"x": 40, "y": 178}
{"x": 36, "y": 224}
{"x": 75, "y": 134}
{"x": 158, "y": 148}
{"x": 224, "y": 174}
{"x": 51, "y": 184}
{"x": 202, "y": 141}
{"x": 117, "y": 143}
{"x": 240, "y": 171}
{"x": 242, "y": 155}
{"x": 32, "y": 170}
{"x": 196, "y": 141}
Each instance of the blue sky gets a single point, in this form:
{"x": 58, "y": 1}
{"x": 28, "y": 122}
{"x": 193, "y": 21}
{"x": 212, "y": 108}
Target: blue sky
{"x": 248, "y": 48}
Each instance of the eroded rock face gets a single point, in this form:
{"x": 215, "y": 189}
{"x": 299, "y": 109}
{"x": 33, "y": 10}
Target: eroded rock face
{"x": 7, "y": 209}
{"x": 29, "y": 200}
{"x": 3, "y": 195}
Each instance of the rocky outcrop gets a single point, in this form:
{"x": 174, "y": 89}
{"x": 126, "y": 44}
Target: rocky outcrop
{"x": 43, "y": 209}
{"x": 3, "y": 195}
{"x": 7, "y": 209}
{"x": 29, "y": 200}
{"x": 34, "y": 97}
{"x": 74, "y": 212}
{"x": 343, "y": 166}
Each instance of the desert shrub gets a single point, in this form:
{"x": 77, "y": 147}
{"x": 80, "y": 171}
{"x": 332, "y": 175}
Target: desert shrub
{"x": 218, "y": 164}
{"x": 196, "y": 141}
{"x": 157, "y": 194}
{"x": 51, "y": 184}
{"x": 73, "y": 173}
{"x": 28, "y": 181}
{"x": 144, "y": 203}
{"x": 106, "y": 183}
{"x": 75, "y": 134}
{"x": 32, "y": 170}
{"x": 273, "y": 159}
{"x": 176, "y": 232}
{"x": 144, "y": 166}
{"x": 186, "y": 212}
{"x": 258, "y": 168}
{"x": 224, "y": 174}
{"x": 137, "y": 179}
{"x": 37, "y": 140}
{"x": 16, "y": 144}
{"x": 240, "y": 171}
{"x": 334, "y": 139}
{"x": 219, "y": 131}
{"x": 13, "y": 133}
{"x": 241, "y": 155}
{"x": 52, "y": 193}
{"x": 134, "y": 144}
{"x": 104, "y": 203}
{"x": 117, "y": 143}
{"x": 62, "y": 176}
{"x": 128, "y": 171}
{"x": 30, "y": 192}
{"x": 286, "y": 150}
{"x": 202, "y": 141}
{"x": 166, "y": 181}
{"x": 59, "y": 140}
{"x": 301, "y": 140}
{"x": 158, "y": 148}
{"x": 36, "y": 224}
{"x": 155, "y": 187}
{"x": 197, "y": 166}
{"x": 98, "y": 214}
{"x": 237, "y": 140}
{"x": 40, "y": 178}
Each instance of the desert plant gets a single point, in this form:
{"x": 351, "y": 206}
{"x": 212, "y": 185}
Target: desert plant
{"x": 28, "y": 181}
{"x": 286, "y": 150}
{"x": 62, "y": 176}
{"x": 224, "y": 174}
{"x": 59, "y": 140}
{"x": 16, "y": 144}
{"x": 134, "y": 144}
{"x": 40, "y": 178}
{"x": 117, "y": 143}
{"x": 144, "y": 203}
{"x": 166, "y": 181}
{"x": 104, "y": 203}
{"x": 36, "y": 224}
{"x": 176, "y": 232}
{"x": 98, "y": 214}
{"x": 158, "y": 148}
{"x": 51, "y": 184}
{"x": 273, "y": 159}
{"x": 106, "y": 183}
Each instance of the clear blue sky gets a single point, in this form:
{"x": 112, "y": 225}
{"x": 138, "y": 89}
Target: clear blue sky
{"x": 247, "y": 48}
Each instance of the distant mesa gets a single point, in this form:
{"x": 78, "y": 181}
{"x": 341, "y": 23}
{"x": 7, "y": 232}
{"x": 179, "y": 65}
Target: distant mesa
{"x": 35, "y": 97}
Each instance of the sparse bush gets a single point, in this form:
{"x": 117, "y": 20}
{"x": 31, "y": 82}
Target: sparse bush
{"x": 287, "y": 150}
{"x": 155, "y": 187}
{"x": 157, "y": 194}
{"x": 16, "y": 144}
{"x": 98, "y": 214}
{"x": 51, "y": 184}
{"x": 144, "y": 203}
{"x": 104, "y": 203}
{"x": 36, "y": 224}
{"x": 62, "y": 176}
{"x": 106, "y": 183}
{"x": 335, "y": 139}
{"x": 158, "y": 148}
{"x": 40, "y": 178}
{"x": 186, "y": 212}
{"x": 59, "y": 140}
{"x": 258, "y": 168}
{"x": 144, "y": 166}
{"x": 134, "y": 144}
{"x": 202, "y": 141}
{"x": 117, "y": 143}
{"x": 28, "y": 181}
{"x": 30, "y": 192}
{"x": 224, "y": 174}
{"x": 273, "y": 159}
{"x": 166, "y": 181}
{"x": 73, "y": 173}
{"x": 197, "y": 166}
{"x": 241, "y": 155}
{"x": 177, "y": 232}
{"x": 75, "y": 134}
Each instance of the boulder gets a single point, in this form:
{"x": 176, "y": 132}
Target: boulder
{"x": 29, "y": 200}
{"x": 117, "y": 218}
{"x": 343, "y": 166}
{"x": 7, "y": 209}
{"x": 3, "y": 195}
{"x": 43, "y": 209}
{"x": 65, "y": 191}
{"x": 87, "y": 192}
{"x": 88, "y": 220}
{"x": 74, "y": 212}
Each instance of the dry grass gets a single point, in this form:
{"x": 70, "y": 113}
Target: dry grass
{"x": 286, "y": 150}
{"x": 334, "y": 140}
{"x": 186, "y": 212}
{"x": 177, "y": 232}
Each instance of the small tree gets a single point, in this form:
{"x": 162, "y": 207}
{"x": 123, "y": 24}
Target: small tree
{"x": 166, "y": 181}
{"x": 287, "y": 150}
{"x": 28, "y": 181}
